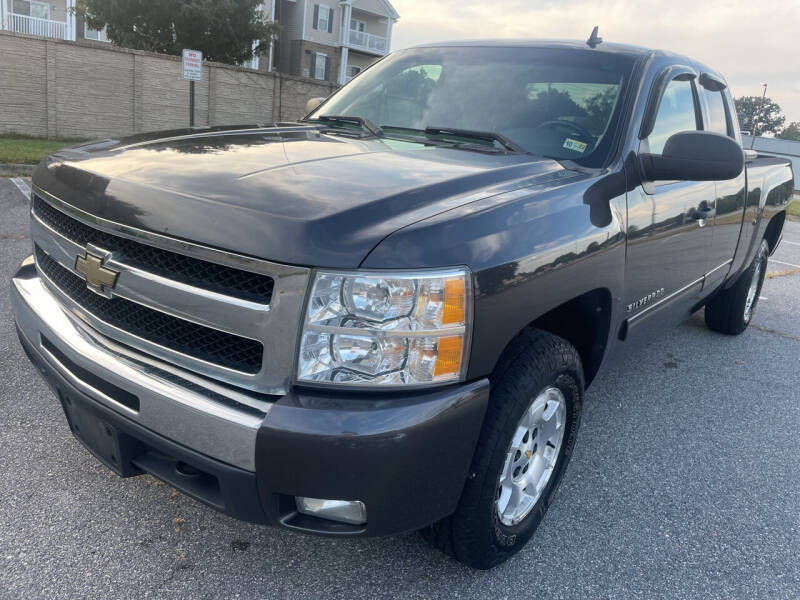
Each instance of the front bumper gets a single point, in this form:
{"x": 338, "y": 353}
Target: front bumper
{"x": 406, "y": 456}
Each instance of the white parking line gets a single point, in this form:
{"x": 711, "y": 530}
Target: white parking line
{"x": 22, "y": 185}
{"x": 792, "y": 243}
{"x": 780, "y": 262}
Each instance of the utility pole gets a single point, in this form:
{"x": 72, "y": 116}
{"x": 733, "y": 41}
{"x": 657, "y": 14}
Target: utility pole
{"x": 760, "y": 107}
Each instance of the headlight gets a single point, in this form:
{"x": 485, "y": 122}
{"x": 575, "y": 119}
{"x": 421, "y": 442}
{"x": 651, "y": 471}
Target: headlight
{"x": 386, "y": 329}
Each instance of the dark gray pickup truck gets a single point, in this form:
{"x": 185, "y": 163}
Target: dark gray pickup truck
{"x": 383, "y": 317}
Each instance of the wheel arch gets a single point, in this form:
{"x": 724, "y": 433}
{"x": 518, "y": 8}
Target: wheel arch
{"x": 773, "y": 231}
{"x": 585, "y": 322}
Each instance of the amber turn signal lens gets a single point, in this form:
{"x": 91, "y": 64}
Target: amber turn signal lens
{"x": 448, "y": 357}
{"x": 454, "y": 301}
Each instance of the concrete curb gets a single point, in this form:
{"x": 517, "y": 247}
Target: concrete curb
{"x": 15, "y": 170}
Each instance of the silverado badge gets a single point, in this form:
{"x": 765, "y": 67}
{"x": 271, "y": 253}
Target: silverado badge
{"x": 645, "y": 299}
{"x": 98, "y": 278}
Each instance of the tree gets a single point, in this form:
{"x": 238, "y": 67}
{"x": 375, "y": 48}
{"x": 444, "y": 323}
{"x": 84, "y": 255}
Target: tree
{"x": 791, "y": 132}
{"x": 555, "y": 102}
{"x": 599, "y": 108}
{"x": 224, "y": 30}
{"x": 768, "y": 118}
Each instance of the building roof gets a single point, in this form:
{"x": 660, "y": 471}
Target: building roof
{"x": 393, "y": 14}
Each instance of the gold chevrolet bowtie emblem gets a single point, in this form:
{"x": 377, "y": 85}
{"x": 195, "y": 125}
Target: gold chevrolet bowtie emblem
{"x": 99, "y": 278}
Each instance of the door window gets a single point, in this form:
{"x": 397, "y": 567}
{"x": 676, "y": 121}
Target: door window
{"x": 676, "y": 113}
{"x": 357, "y": 25}
{"x": 717, "y": 117}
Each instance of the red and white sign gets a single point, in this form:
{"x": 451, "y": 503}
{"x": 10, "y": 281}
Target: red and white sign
{"x": 192, "y": 65}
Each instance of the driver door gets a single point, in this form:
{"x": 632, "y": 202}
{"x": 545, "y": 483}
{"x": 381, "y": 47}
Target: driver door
{"x": 668, "y": 240}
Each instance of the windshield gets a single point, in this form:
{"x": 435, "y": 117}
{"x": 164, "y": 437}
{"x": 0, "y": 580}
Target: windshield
{"x": 561, "y": 103}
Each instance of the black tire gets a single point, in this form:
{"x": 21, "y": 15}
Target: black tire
{"x": 533, "y": 362}
{"x": 726, "y": 312}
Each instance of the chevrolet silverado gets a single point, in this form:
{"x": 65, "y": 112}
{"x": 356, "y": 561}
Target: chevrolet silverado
{"x": 383, "y": 317}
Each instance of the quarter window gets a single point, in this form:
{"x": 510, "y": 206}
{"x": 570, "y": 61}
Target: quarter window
{"x": 676, "y": 113}
{"x": 717, "y": 117}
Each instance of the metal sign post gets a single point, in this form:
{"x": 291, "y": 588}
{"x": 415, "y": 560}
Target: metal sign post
{"x": 193, "y": 71}
{"x": 191, "y": 103}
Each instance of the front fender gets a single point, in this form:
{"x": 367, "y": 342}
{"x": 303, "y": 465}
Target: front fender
{"x": 530, "y": 251}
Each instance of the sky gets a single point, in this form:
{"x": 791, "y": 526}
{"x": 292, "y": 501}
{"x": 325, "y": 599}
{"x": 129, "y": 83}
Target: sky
{"x": 748, "y": 41}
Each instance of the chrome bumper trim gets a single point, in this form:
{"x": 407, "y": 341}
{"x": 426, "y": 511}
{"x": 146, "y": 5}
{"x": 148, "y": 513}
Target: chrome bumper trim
{"x": 183, "y": 415}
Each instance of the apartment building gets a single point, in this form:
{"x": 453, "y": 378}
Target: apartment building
{"x": 46, "y": 18}
{"x": 332, "y": 40}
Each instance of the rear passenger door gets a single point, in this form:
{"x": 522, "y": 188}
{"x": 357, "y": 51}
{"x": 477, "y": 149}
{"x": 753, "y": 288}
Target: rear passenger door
{"x": 730, "y": 195}
{"x": 668, "y": 240}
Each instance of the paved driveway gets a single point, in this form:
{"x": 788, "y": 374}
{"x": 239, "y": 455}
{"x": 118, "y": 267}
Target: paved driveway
{"x": 685, "y": 483}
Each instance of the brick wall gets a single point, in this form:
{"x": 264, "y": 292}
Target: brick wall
{"x": 68, "y": 89}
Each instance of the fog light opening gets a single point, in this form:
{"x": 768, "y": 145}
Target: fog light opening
{"x": 352, "y": 512}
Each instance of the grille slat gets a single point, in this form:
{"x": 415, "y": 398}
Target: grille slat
{"x": 214, "y": 277}
{"x": 200, "y": 342}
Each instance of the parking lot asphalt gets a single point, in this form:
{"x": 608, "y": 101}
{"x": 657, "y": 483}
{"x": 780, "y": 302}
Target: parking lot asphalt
{"x": 685, "y": 483}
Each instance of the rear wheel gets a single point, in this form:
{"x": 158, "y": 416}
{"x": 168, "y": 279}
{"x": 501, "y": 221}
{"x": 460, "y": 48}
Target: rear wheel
{"x": 732, "y": 310}
{"x": 525, "y": 444}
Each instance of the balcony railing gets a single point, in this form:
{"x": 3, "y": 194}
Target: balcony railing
{"x": 368, "y": 42}
{"x": 36, "y": 26}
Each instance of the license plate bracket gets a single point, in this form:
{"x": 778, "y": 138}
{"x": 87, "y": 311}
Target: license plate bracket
{"x": 110, "y": 446}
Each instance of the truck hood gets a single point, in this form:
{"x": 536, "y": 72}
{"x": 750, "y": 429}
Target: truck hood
{"x": 290, "y": 194}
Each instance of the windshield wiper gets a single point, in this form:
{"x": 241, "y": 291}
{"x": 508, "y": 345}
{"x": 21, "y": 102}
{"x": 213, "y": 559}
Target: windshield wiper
{"x": 365, "y": 124}
{"x": 430, "y": 133}
{"x": 483, "y": 136}
{"x": 409, "y": 130}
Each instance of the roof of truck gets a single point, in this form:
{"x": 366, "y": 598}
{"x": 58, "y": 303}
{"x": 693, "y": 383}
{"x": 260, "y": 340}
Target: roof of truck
{"x": 542, "y": 43}
{"x": 606, "y": 47}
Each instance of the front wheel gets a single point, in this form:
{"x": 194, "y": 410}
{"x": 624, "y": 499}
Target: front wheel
{"x": 524, "y": 447}
{"x": 732, "y": 310}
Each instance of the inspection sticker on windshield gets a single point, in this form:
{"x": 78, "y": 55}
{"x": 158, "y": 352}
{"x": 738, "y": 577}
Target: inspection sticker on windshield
{"x": 575, "y": 145}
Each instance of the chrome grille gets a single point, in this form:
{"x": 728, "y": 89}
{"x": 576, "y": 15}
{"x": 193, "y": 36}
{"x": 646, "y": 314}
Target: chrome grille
{"x": 183, "y": 336}
{"x": 223, "y": 315}
{"x": 246, "y": 285}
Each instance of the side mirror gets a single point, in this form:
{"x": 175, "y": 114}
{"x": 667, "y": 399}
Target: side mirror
{"x": 313, "y": 104}
{"x": 695, "y": 156}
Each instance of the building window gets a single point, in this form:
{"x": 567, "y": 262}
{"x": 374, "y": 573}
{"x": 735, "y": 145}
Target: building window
{"x": 29, "y": 8}
{"x": 320, "y": 66}
{"x": 94, "y": 34}
{"x": 352, "y": 71}
{"x": 323, "y": 18}
{"x": 356, "y": 25}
